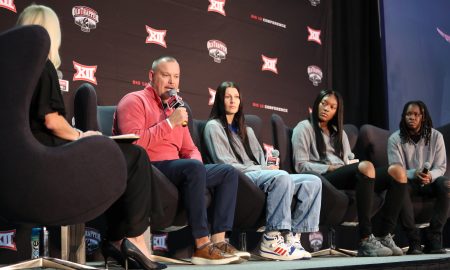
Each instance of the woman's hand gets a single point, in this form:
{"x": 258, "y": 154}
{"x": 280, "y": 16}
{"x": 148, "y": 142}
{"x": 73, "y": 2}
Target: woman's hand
{"x": 89, "y": 133}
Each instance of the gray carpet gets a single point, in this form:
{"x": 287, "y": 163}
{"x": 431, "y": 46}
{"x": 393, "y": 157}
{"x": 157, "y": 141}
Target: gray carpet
{"x": 314, "y": 263}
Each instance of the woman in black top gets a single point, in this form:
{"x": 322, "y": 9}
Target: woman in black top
{"x": 128, "y": 216}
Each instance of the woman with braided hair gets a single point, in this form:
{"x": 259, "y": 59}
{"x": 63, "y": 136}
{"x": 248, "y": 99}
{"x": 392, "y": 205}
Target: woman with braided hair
{"x": 420, "y": 149}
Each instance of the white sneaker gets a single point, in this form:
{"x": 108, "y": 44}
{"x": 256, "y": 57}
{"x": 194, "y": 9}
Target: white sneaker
{"x": 273, "y": 247}
{"x": 293, "y": 239}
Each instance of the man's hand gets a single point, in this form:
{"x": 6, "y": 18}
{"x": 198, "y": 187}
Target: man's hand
{"x": 423, "y": 178}
{"x": 274, "y": 167}
{"x": 178, "y": 117}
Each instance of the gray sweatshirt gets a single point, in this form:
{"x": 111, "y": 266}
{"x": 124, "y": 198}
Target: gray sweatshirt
{"x": 219, "y": 148}
{"x": 412, "y": 156}
{"x": 305, "y": 153}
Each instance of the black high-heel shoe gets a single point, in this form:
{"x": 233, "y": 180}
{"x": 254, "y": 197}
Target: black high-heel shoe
{"x": 110, "y": 251}
{"x": 130, "y": 251}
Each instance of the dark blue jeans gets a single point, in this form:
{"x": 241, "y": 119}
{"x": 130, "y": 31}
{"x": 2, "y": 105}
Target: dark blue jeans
{"x": 192, "y": 178}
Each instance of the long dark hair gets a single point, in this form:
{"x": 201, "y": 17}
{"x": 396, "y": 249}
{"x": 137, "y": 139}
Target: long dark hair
{"x": 335, "y": 125}
{"x": 218, "y": 112}
{"x": 426, "y": 125}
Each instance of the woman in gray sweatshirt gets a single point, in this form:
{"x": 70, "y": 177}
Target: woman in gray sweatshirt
{"x": 228, "y": 140}
{"x": 321, "y": 145}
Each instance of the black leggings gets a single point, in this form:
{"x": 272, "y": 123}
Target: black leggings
{"x": 439, "y": 190}
{"x": 348, "y": 177}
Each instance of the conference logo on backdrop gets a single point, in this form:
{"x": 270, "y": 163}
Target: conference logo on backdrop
{"x": 64, "y": 85}
{"x": 93, "y": 239}
{"x": 156, "y": 36}
{"x": 85, "y": 17}
{"x": 315, "y": 240}
{"x": 268, "y": 148}
{"x": 269, "y": 107}
{"x": 217, "y": 50}
{"x": 8, "y": 4}
{"x": 266, "y": 20}
{"x": 444, "y": 35}
{"x": 212, "y": 96}
{"x": 7, "y": 240}
{"x": 315, "y": 75}
{"x": 159, "y": 242}
{"x": 314, "y": 3}
{"x": 270, "y": 64}
{"x": 217, "y": 6}
{"x": 314, "y": 35}
{"x": 84, "y": 73}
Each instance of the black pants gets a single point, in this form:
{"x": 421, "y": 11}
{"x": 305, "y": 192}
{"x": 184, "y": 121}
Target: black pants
{"x": 348, "y": 177}
{"x": 192, "y": 178}
{"x": 129, "y": 215}
{"x": 438, "y": 189}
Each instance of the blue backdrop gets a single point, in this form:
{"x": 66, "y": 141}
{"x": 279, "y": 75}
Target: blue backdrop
{"x": 416, "y": 36}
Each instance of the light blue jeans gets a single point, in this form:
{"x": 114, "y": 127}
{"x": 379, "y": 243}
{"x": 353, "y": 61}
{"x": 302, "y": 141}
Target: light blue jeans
{"x": 281, "y": 189}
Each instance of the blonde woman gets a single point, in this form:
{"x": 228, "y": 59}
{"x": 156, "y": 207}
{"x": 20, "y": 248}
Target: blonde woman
{"x": 128, "y": 216}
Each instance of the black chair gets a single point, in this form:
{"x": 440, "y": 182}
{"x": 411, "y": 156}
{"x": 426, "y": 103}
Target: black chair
{"x": 338, "y": 206}
{"x": 47, "y": 186}
{"x": 445, "y": 130}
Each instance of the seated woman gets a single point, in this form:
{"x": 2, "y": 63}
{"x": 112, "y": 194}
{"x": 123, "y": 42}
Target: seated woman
{"x": 230, "y": 141}
{"x": 128, "y": 216}
{"x": 321, "y": 145}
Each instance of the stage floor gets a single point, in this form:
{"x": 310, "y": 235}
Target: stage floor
{"x": 441, "y": 261}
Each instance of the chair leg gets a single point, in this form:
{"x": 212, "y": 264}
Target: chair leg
{"x": 243, "y": 241}
{"x": 332, "y": 250}
{"x": 72, "y": 248}
{"x": 46, "y": 262}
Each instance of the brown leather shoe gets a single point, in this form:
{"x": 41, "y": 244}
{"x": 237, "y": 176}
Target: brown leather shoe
{"x": 228, "y": 248}
{"x": 210, "y": 254}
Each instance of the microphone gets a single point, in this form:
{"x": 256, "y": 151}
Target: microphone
{"x": 426, "y": 169}
{"x": 273, "y": 158}
{"x": 175, "y": 101}
{"x": 351, "y": 158}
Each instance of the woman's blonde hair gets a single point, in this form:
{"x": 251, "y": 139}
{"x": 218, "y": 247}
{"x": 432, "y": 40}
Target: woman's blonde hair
{"x": 47, "y": 18}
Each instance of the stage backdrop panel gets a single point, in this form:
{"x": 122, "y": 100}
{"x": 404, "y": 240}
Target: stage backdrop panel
{"x": 277, "y": 51}
{"x": 417, "y": 54}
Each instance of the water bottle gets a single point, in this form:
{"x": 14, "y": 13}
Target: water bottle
{"x": 35, "y": 242}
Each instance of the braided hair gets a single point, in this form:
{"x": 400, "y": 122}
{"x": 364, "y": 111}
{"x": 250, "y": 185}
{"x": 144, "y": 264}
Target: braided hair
{"x": 426, "y": 125}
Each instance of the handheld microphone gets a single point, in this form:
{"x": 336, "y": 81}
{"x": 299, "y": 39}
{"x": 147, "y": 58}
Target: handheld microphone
{"x": 351, "y": 159}
{"x": 273, "y": 158}
{"x": 426, "y": 169}
{"x": 175, "y": 101}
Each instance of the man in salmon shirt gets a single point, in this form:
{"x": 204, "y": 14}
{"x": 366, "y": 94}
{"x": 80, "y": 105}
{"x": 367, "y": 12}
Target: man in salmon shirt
{"x": 170, "y": 147}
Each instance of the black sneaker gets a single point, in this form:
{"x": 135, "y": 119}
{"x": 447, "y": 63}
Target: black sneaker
{"x": 433, "y": 244}
{"x": 414, "y": 249}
